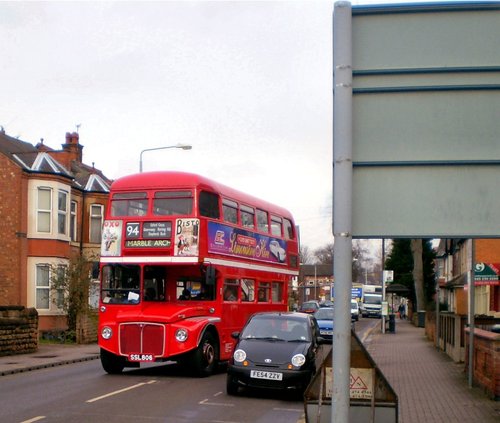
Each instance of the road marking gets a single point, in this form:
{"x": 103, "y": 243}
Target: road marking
{"x": 295, "y": 410}
{"x": 220, "y": 404}
{"x": 120, "y": 391}
{"x": 34, "y": 419}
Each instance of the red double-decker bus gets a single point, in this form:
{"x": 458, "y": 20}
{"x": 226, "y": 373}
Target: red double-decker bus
{"x": 184, "y": 262}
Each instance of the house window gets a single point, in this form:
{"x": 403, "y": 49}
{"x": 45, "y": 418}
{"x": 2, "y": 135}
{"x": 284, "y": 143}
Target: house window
{"x": 44, "y": 209}
{"x": 62, "y": 212}
{"x": 72, "y": 221}
{"x": 42, "y": 287}
{"x": 96, "y": 214}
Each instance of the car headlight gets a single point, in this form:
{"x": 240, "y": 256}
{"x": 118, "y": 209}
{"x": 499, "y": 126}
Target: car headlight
{"x": 106, "y": 332}
{"x": 181, "y": 335}
{"x": 298, "y": 360}
{"x": 239, "y": 356}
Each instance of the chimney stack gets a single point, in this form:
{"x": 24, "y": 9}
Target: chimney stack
{"x": 73, "y": 147}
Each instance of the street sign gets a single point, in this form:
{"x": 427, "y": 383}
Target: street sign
{"x": 388, "y": 276}
{"x": 425, "y": 102}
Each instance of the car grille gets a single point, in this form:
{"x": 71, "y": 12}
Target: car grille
{"x": 142, "y": 338}
{"x": 267, "y": 366}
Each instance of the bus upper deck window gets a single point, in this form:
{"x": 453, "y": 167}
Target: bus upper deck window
{"x": 288, "y": 229}
{"x": 276, "y": 225}
{"x": 209, "y": 205}
{"x": 167, "y": 203}
{"x": 247, "y": 216}
{"x": 129, "y": 204}
{"x": 230, "y": 211}
{"x": 262, "y": 223}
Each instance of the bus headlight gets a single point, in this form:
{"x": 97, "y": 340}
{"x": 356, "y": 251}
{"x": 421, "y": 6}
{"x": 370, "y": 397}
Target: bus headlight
{"x": 239, "y": 356}
{"x": 106, "y": 332}
{"x": 181, "y": 335}
{"x": 298, "y": 360}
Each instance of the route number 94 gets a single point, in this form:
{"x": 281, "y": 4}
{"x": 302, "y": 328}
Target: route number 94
{"x": 132, "y": 230}
{"x": 141, "y": 357}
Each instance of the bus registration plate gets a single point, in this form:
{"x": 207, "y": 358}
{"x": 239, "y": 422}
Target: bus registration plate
{"x": 259, "y": 374}
{"x": 141, "y": 357}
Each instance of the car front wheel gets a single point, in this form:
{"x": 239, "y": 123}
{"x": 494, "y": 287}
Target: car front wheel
{"x": 231, "y": 386}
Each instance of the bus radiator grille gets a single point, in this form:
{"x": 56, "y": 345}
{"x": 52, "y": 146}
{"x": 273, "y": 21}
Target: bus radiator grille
{"x": 142, "y": 338}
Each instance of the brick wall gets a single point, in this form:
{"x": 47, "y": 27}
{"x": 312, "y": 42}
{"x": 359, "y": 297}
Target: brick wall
{"x": 488, "y": 250}
{"x": 486, "y": 361}
{"x": 18, "y": 330}
{"x": 430, "y": 326}
{"x": 86, "y": 329}
{"x": 13, "y": 230}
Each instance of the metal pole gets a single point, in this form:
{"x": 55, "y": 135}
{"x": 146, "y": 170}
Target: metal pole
{"x": 382, "y": 317}
{"x": 437, "y": 314}
{"x": 472, "y": 312}
{"x": 315, "y": 284}
{"x": 342, "y": 208}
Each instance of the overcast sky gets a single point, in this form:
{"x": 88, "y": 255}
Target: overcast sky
{"x": 247, "y": 84}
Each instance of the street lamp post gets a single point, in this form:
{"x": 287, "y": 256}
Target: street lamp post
{"x": 181, "y": 146}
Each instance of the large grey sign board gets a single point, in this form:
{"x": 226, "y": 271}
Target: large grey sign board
{"x": 426, "y": 121}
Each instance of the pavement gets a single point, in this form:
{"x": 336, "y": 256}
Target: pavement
{"x": 48, "y": 355}
{"x": 431, "y": 387}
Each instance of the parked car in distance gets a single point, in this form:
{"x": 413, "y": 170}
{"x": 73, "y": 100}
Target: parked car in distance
{"x": 324, "y": 317}
{"x": 309, "y": 307}
{"x": 326, "y": 303}
{"x": 275, "y": 350}
{"x": 354, "y": 310}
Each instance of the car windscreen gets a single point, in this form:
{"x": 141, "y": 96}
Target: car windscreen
{"x": 269, "y": 328}
{"x": 324, "y": 314}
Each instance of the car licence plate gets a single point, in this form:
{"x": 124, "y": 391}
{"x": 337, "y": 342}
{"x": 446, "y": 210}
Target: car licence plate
{"x": 326, "y": 332}
{"x": 259, "y": 374}
{"x": 141, "y": 357}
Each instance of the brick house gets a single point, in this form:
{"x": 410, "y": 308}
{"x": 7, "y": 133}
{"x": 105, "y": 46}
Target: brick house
{"x": 51, "y": 206}
{"x": 315, "y": 282}
{"x": 454, "y": 265}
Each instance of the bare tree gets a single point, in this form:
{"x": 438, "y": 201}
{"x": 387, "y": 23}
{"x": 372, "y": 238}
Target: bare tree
{"x": 359, "y": 259}
{"x": 306, "y": 255}
{"x": 324, "y": 255}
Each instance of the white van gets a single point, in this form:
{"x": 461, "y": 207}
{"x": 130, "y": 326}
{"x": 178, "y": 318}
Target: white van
{"x": 354, "y": 310}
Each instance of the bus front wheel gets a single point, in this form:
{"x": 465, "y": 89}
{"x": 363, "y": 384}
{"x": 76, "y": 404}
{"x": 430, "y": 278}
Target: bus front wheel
{"x": 111, "y": 363}
{"x": 206, "y": 356}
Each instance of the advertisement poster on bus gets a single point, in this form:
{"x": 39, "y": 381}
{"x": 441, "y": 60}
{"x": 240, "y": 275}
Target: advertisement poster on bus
{"x": 186, "y": 237}
{"x": 111, "y": 238}
{"x": 227, "y": 240}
